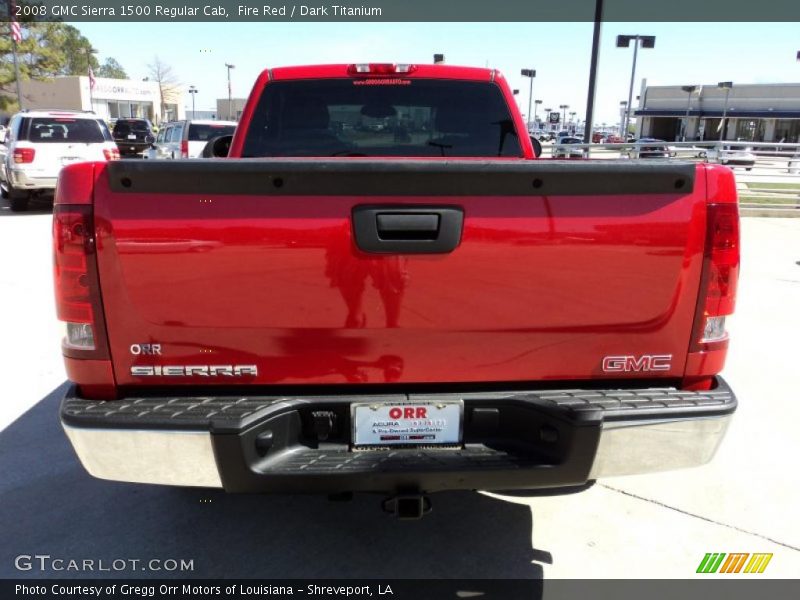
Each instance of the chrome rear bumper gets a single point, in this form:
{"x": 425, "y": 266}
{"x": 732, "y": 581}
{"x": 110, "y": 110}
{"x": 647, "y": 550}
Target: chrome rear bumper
{"x": 513, "y": 440}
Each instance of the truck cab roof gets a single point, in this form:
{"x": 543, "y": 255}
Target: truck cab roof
{"x": 382, "y": 69}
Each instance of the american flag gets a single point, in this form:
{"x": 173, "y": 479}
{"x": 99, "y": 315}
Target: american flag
{"x": 16, "y": 32}
{"x": 91, "y": 79}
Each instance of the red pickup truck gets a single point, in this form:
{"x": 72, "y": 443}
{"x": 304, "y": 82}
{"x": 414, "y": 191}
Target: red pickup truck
{"x": 382, "y": 289}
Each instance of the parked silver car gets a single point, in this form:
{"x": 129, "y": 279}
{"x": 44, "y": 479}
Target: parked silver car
{"x": 566, "y": 148}
{"x": 733, "y": 156}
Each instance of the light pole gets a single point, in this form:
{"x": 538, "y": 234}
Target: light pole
{"x": 564, "y": 108}
{"x": 623, "y": 109}
{"x": 723, "y": 127}
{"x": 623, "y": 41}
{"x": 530, "y": 73}
{"x": 536, "y": 104}
{"x": 689, "y": 89}
{"x": 230, "y": 97}
{"x": 192, "y": 91}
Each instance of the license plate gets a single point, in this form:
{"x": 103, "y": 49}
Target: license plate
{"x": 426, "y": 423}
{"x": 132, "y": 136}
{"x": 66, "y": 160}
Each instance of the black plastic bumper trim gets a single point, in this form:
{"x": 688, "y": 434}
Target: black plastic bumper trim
{"x": 514, "y": 440}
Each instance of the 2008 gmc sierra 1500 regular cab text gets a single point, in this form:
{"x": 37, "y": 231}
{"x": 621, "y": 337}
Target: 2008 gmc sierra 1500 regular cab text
{"x": 382, "y": 289}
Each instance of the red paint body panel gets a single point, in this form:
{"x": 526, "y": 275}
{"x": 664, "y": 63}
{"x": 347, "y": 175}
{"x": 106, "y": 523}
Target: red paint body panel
{"x": 95, "y": 377}
{"x": 539, "y": 289}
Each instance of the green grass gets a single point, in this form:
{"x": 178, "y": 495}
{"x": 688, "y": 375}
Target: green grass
{"x": 773, "y": 186}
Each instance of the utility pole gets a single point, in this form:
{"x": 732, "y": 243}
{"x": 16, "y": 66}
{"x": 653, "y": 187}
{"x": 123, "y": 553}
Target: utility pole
{"x": 598, "y": 18}
{"x": 623, "y": 41}
{"x": 727, "y": 85}
{"x": 192, "y": 91}
{"x": 230, "y": 96}
{"x": 689, "y": 89}
{"x": 530, "y": 73}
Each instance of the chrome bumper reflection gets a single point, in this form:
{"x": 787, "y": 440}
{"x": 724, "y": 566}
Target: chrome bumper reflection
{"x": 652, "y": 446}
{"x": 164, "y": 457}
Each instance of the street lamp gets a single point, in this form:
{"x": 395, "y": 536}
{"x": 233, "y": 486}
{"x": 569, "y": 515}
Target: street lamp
{"x": 564, "y": 108}
{"x": 530, "y": 73}
{"x": 723, "y": 127}
{"x": 536, "y": 104}
{"x": 230, "y": 98}
{"x": 623, "y": 41}
{"x": 689, "y": 89}
{"x": 192, "y": 91}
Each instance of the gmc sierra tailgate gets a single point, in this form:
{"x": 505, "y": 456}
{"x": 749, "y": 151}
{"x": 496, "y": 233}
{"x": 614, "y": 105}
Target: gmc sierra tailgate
{"x": 337, "y": 271}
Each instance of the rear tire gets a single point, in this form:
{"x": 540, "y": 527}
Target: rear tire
{"x": 19, "y": 201}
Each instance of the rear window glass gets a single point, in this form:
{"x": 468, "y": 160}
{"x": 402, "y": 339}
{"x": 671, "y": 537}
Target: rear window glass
{"x": 357, "y": 117}
{"x": 62, "y": 130}
{"x": 125, "y": 127}
{"x": 204, "y": 133}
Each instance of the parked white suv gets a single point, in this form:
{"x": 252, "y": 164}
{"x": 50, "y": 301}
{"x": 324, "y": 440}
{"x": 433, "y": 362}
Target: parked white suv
{"x": 38, "y": 143}
{"x": 186, "y": 139}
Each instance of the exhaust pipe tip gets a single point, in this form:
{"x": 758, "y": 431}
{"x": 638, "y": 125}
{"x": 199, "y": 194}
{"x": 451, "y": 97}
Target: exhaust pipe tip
{"x": 408, "y": 506}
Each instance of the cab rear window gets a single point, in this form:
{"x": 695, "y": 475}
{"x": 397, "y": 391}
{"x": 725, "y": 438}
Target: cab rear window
{"x": 42, "y": 130}
{"x": 409, "y": 117}
{"x": 204, "y": 133}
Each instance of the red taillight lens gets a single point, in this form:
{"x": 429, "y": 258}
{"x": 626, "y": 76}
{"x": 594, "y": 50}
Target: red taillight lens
{"x": 184, "y": 149}
{"x": 723, "y": 237}
{"x": 111, "y": 153}
{"x": 720, "y": 275}
{"x": 24, "y": 155}
{"x": 380, "y": 69}
{"x": 76, "y": 283}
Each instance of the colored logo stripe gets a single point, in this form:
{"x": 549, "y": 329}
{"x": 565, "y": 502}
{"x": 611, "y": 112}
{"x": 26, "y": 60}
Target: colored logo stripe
{"x": 710, "y": 563}
{"x": 758, "y": 563}
{"x": 713, "y": 562}
{"x": 734, "y": 563}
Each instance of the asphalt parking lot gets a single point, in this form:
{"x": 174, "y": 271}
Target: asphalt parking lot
{"x": 657, "y": 526}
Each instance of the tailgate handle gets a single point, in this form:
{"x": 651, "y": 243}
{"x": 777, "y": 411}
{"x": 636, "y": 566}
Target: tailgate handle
{"x": 386, "y": 229}
{"x": 411, "y": 226}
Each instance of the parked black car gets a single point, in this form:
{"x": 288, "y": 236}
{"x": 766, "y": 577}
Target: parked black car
{"x": 133, "y": 136}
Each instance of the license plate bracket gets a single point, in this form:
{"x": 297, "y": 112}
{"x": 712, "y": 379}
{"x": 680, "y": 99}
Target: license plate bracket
{"x": 407, "y": 424}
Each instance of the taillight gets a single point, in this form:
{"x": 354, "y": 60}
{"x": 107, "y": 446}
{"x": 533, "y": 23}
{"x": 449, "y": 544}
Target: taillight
{"x": 719, "y": 278}
{"x": 380, "y": 69}
{"x": 76, "y": 282}
{"x": 24, "y": 155}
{"x": 111, "y": 153}
{"x": 184, "y": 149}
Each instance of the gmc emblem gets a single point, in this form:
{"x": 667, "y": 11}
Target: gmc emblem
{"x": 645, "y": 362}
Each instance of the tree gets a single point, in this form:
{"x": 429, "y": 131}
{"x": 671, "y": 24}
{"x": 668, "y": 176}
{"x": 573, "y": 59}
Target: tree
{"x": 78, "y": 51}
{"x": 111, "y": 69}
{"x": 165, "y": 77}
{"x": 46, "y": 50}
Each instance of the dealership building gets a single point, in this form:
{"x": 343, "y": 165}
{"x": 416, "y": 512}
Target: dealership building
{"x": 109, "y": 98}
{"x": 754, "y": 112}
